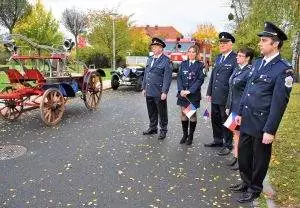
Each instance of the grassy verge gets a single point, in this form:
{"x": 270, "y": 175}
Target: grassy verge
{"x": 3, "y": 80}
{"x": 285, "y": 163}
{"x": 262, "y": 201}
{"x": 107, "y": 73}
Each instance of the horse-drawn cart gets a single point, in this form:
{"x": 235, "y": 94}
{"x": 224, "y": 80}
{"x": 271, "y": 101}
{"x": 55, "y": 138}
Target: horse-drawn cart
{"x": 29, "y": 88}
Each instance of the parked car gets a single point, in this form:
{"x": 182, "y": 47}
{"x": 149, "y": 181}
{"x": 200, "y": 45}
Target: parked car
{"x": 129, "y": 75}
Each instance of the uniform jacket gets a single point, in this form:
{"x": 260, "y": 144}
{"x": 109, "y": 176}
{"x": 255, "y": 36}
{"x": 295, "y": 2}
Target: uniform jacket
{"x": 237, "y": 84}
{"x": 265, "y": 97}
{"x": 190, "y": 78}
{"x": 218, "y": 87}
{"x": 157, "y": 79}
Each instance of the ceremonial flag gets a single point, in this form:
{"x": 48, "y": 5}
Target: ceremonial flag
{"x": 230, "y": 122}
{"x": 189, "y": 110}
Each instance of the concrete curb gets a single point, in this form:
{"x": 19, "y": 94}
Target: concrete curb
{"x": 106, "y": 85}
{"x": 269, "y": 192}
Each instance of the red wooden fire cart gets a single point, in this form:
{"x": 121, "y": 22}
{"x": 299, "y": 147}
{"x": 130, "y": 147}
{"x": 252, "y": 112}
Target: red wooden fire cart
{"x": 46, "y": 83}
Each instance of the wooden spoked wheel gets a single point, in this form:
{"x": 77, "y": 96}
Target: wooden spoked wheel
{"x": 10, "y": 109}
{"x": 93, "y": 92}
{"x": 52, "y": 106}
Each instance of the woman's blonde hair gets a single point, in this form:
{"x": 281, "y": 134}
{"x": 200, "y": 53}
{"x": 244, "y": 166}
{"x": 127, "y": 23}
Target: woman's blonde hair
{"x": 196, "y": 48}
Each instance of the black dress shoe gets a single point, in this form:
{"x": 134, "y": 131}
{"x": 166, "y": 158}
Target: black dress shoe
{"x": 162, "y": 135}
{"x": 213, "y": 144}
{"x": 235, "y": 167}
{"x": 248, "y": 197}
{"x": 241, "y": 187}
{"x": 183, "y": 139}
{"x": 232, "y": 162}
{"x": 224, "y": 151}
{"x": 150, "y": 131}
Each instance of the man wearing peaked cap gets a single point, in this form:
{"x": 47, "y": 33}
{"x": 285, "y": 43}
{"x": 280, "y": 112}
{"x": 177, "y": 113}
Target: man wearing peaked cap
{"x": 272, "y": 30}
{"x": 157, "y": 41}
{"x": 226, "y": 37}
{"x": 217, "y": 93}
{"x": 156, "y": 84}
{"x": 262, "y": 106}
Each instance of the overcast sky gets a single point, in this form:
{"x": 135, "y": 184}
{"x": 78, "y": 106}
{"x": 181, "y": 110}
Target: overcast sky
{"x": 183, "y": 15}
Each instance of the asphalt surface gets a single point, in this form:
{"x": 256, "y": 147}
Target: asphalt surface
{"x": 101, "y": 159}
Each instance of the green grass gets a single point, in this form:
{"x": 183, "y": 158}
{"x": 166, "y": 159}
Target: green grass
{"x": 262, "y": 201}
{"x": 107, "y": 73}
{"x": 3, "y": 79}
{"x": 285, "y": 163}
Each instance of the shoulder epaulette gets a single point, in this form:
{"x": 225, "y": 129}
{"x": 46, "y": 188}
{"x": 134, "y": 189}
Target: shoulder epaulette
{"x": 288, "y": 64}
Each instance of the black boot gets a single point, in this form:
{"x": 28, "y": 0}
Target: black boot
{"x": 191, "y": 133}
{"x": 185, "y": 127}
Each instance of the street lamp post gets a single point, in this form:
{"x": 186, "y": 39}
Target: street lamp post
{"x": 114, "y": 40}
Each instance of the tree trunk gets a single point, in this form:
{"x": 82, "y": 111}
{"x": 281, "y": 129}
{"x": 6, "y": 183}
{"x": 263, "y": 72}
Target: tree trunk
{"x": 296, "y": 57}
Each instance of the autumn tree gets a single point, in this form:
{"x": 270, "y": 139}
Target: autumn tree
{"x": 11, "y": 11}
{"x": 285, "y": 14}
{"x": 101, "y": 36}
{"x": 139, "y": 42}
{"x": 207, "y": 33}
{"x": 40, "y": 26}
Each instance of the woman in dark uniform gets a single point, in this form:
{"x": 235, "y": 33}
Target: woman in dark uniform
{"x": 237, "y": 84}
{"x": 190, "y": 77}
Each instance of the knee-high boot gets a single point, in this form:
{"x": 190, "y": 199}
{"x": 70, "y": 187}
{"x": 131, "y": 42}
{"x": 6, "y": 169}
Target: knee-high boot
{"x": 191, "y": 133}
{"x": 185, "y": 127}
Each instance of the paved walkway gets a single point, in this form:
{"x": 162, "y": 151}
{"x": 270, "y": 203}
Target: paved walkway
{"x": 101, "y": 159}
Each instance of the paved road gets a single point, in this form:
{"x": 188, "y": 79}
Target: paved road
{"x": 101, "y": 159}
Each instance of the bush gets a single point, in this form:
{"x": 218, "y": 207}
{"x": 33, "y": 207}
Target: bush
{"x": 4, "y": 55}
{"x": 91, "y": 56}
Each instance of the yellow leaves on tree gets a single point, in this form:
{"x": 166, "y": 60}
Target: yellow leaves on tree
{"x": 139, "y": 42}
{"x": 40, "y": 26}
{"x": 205, "y": 31}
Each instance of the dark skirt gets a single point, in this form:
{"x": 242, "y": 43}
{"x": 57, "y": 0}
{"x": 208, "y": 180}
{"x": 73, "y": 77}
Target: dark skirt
{"x": 181, "y": 101}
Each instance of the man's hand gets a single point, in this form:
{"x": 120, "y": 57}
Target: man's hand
{"x": 208, "y": 98}
{"x": 144, "y": 93}
{"x": 267, "y": 138}
{"x": 182, "y": 93}
{"x": 163, "y": 96}
{"x": 238, "y": 120}
{"x": 227, "y": 112}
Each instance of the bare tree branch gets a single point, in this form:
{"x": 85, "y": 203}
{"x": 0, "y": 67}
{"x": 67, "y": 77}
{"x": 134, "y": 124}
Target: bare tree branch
{"x": 75, "y": 21}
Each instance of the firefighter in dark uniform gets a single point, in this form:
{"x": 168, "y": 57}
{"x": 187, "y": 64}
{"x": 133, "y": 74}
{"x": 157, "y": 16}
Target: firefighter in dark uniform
{"x": 190, "y": 78}
{"x": 262, "y": 107}
{"x": 156, "y": 84}
{"x": 217, "y": 93}
{"x": 237, "y": 84}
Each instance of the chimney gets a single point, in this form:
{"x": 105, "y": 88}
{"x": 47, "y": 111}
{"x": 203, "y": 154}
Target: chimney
{"x": 156, "y": 27}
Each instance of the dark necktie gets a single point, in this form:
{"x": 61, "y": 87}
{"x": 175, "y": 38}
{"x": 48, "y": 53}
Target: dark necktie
{"x": 154, "y": 59}
{"x": 262, "y": 64}
{"x": 222, "y": 59}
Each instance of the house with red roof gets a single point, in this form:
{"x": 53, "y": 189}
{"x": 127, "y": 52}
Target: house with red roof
{"x": 164, "y": 32}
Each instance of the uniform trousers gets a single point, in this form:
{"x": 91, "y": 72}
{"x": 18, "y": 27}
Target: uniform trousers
{"x": 253, "y": 159}
{"x": 218, "y": 117}
{"x": 157, "y": 108}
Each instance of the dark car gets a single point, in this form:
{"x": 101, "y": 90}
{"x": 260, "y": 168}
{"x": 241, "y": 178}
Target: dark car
{"x": 129, "y": 75}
